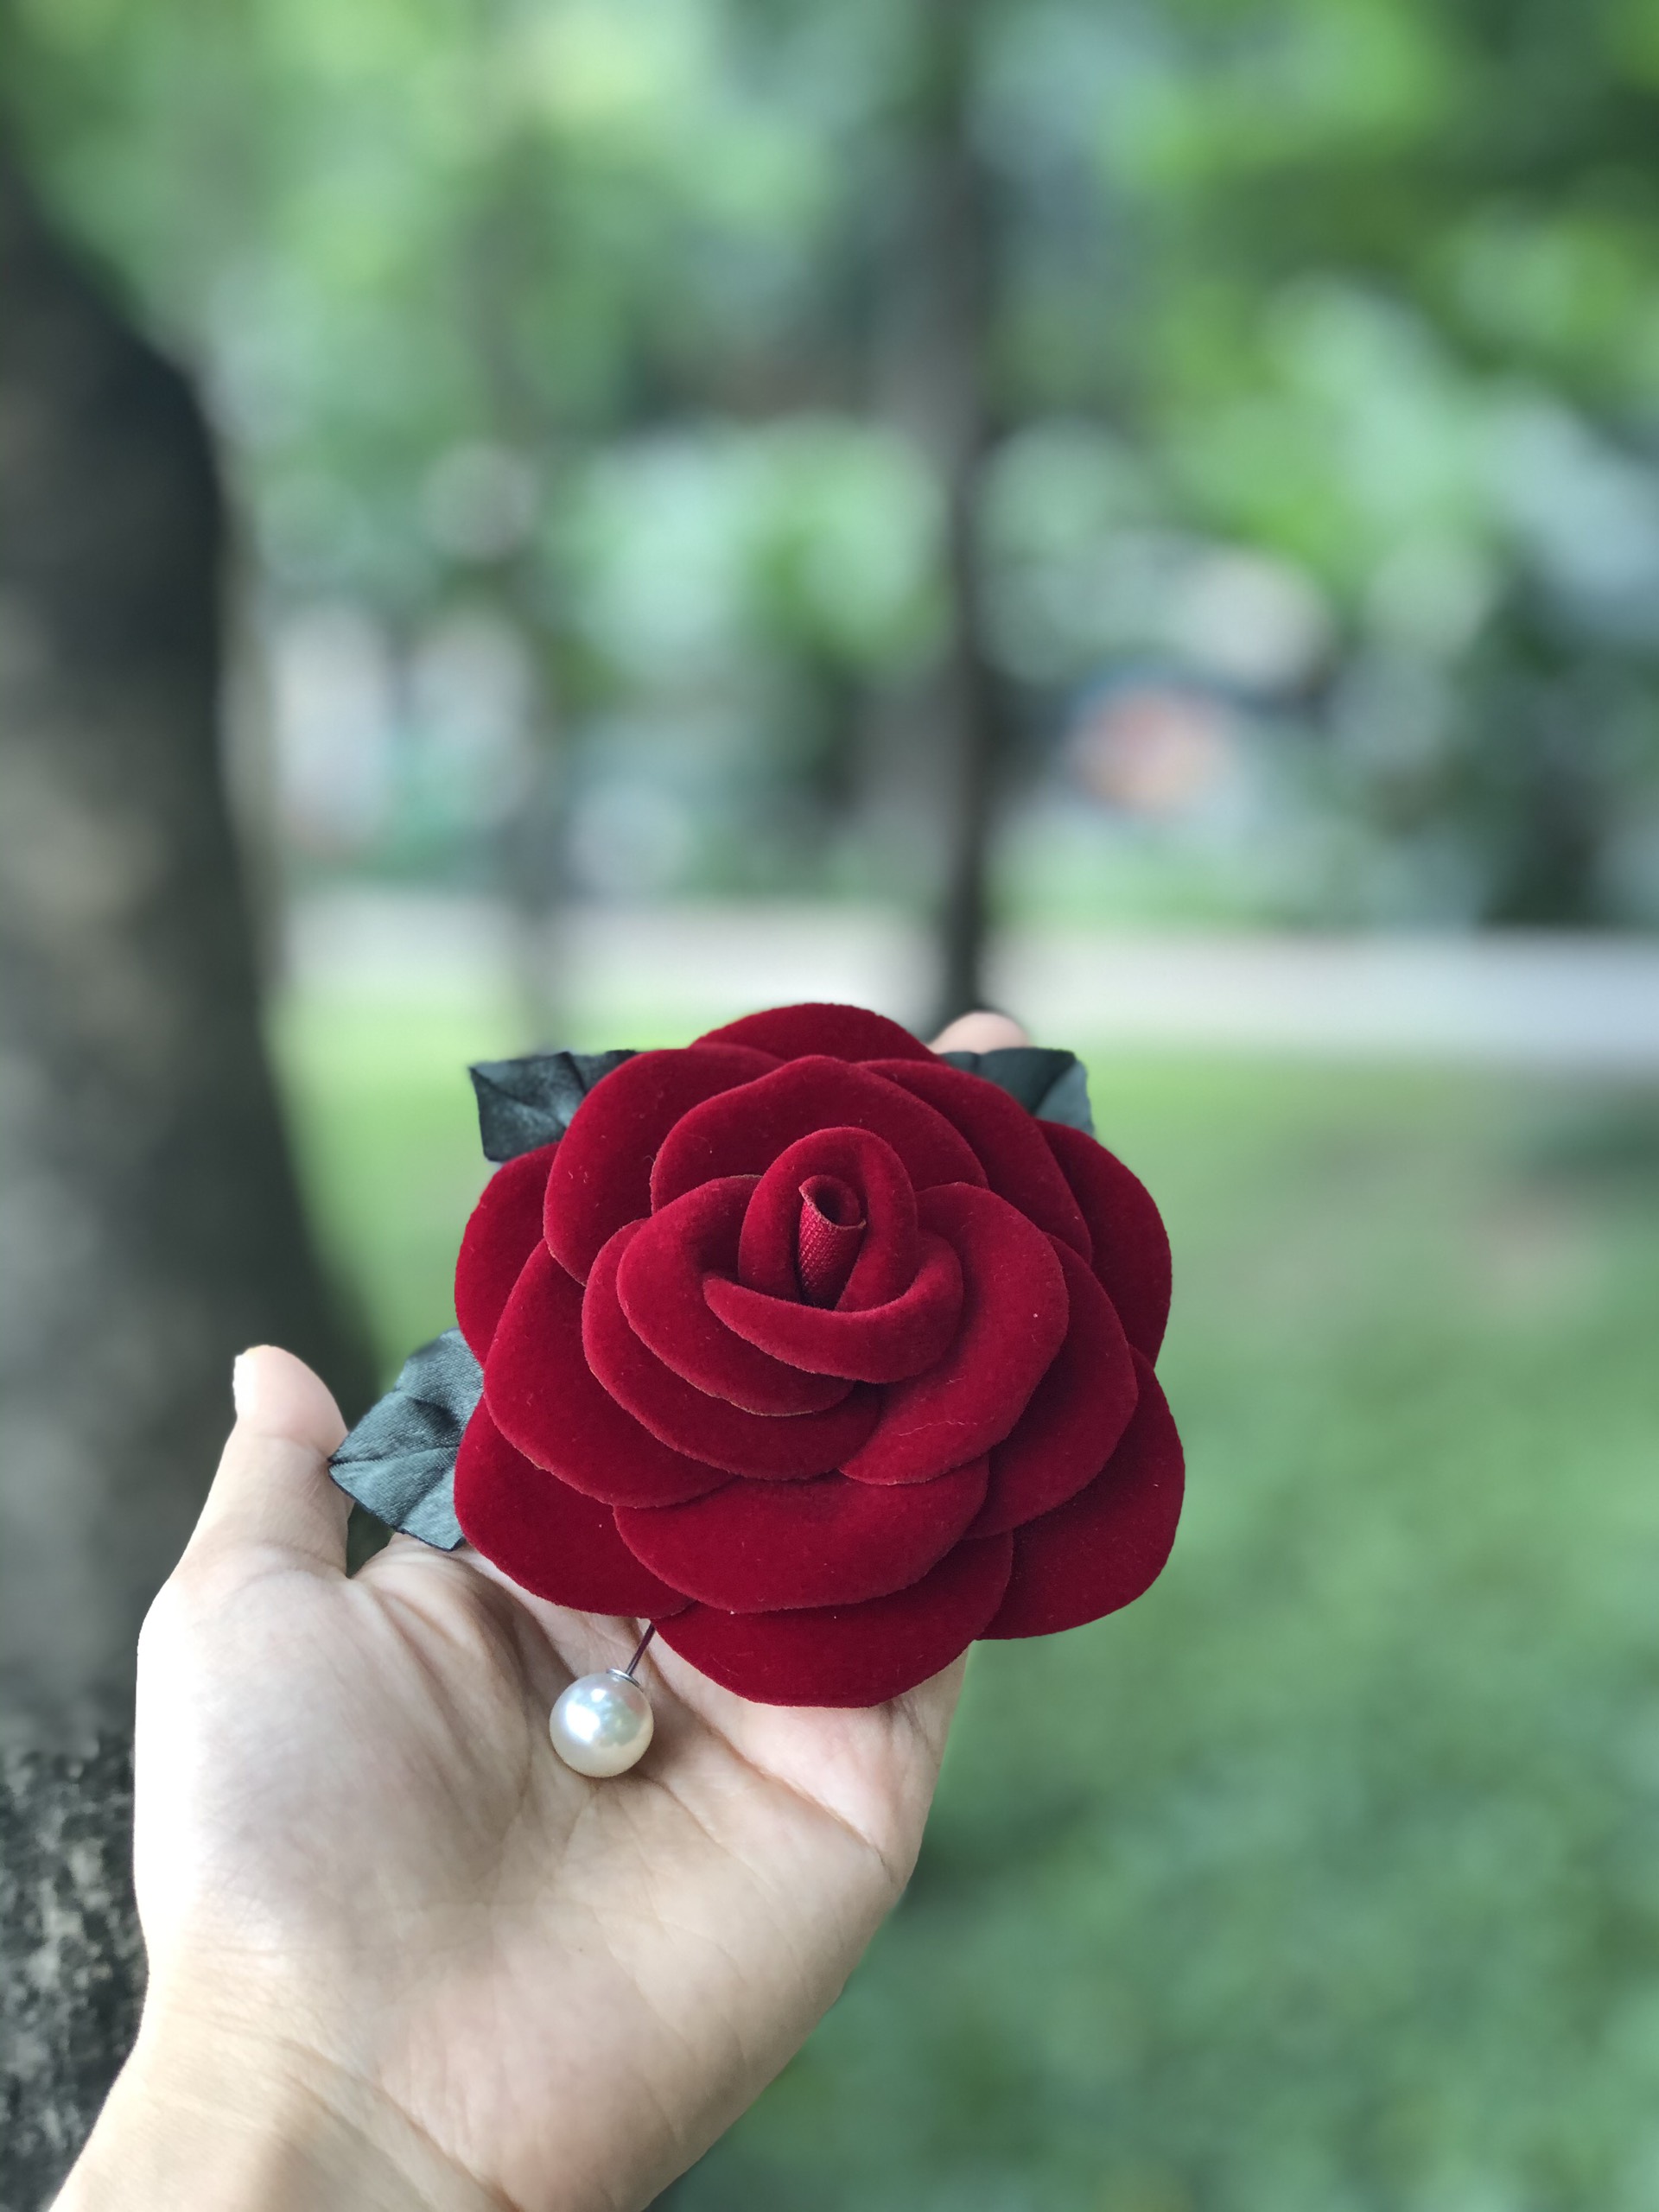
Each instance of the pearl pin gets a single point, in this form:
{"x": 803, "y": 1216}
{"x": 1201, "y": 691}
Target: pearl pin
{"x": 603, "y": 1723}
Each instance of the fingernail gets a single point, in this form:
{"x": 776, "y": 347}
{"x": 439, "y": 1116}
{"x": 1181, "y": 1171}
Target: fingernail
{"x": 241, "y": 1385}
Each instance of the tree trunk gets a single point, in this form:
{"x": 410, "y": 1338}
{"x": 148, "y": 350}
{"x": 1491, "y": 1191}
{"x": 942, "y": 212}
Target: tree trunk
{"x": 946, "y": 278}
{"x": 1541, "y": 780}
{"x": 149, "y": 1222}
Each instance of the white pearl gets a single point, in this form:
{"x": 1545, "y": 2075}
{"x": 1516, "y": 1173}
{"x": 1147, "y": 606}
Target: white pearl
{"x": 602, "y": 1724}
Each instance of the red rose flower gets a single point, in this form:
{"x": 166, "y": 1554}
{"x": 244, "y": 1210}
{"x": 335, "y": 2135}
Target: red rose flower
{"x": 824, "y": 1354}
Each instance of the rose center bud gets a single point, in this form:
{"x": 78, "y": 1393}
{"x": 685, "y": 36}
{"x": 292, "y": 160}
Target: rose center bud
{"x": 831, "y": 1230}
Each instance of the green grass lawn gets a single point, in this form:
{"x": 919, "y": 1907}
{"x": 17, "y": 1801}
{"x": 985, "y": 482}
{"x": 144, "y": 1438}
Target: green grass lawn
{"x": 1325, "y": 1879}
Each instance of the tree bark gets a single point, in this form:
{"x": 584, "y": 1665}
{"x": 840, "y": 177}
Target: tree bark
{"x": 149, "y": 1222}
{"x": 72, "y": 1958}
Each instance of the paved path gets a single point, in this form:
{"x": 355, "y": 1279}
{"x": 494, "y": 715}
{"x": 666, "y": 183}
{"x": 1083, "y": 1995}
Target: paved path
{"x": 1521, "y": 1000}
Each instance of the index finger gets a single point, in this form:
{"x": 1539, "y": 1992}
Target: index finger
{"x": 980, "y": 1032}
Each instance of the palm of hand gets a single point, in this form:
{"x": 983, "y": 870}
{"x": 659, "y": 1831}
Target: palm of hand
{"x": 351, "y": 1816}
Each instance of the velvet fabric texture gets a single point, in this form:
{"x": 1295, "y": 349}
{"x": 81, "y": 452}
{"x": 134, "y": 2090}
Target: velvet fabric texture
{"x": 821, "y": 1354}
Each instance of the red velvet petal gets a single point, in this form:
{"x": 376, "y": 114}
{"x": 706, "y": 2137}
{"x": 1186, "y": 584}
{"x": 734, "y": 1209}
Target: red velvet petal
{"x": 888, "y": 1255}
{"x": 885, "y": 1344}
{"x": 1077, "y": 1416}
{"x": 849, "y": 1654}
{"x": 553, "y": 1541}
{"x": 742, "y": 1131}
{"x": 756, "y": 1547}
{"x": 1013, "y": 1321}
{"x": 781, "y": 1447}
{"x": 660, "y": 1280}
{"x": 504, "y": 1229}
{"x": 844, "y": 1032}
{"x": 545, "y": 1401}
{"x": 1007, "y": 1141}
{"x": 1109, "y": 1543}
{"x": 1131, "y": 1253}
{"x": 601, "y": 1171}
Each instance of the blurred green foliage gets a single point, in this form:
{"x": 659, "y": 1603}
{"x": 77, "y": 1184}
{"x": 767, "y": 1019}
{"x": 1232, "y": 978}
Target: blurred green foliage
{"x": 1324, "y": 364}
{"x": 1323, "y": 1879}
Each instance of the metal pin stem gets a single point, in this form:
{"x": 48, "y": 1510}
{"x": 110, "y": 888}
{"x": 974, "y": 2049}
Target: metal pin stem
{"x": 639, "y": 1650}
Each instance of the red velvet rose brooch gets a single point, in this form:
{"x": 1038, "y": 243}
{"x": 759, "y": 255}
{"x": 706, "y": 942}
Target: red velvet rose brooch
{"x": 823, "y": 1352}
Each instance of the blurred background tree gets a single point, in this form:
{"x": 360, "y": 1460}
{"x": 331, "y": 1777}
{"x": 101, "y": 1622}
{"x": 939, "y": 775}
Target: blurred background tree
{"x": 1204, "y": 449}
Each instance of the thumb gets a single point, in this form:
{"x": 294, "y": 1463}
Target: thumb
{"x": 273, "y": 1487}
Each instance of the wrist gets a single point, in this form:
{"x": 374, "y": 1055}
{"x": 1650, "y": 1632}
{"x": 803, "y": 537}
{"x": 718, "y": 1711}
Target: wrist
{"x": 208, "y": 2115}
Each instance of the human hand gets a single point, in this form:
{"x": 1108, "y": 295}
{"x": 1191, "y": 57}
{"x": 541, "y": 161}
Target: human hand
{"x": 400, "y": 1955}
